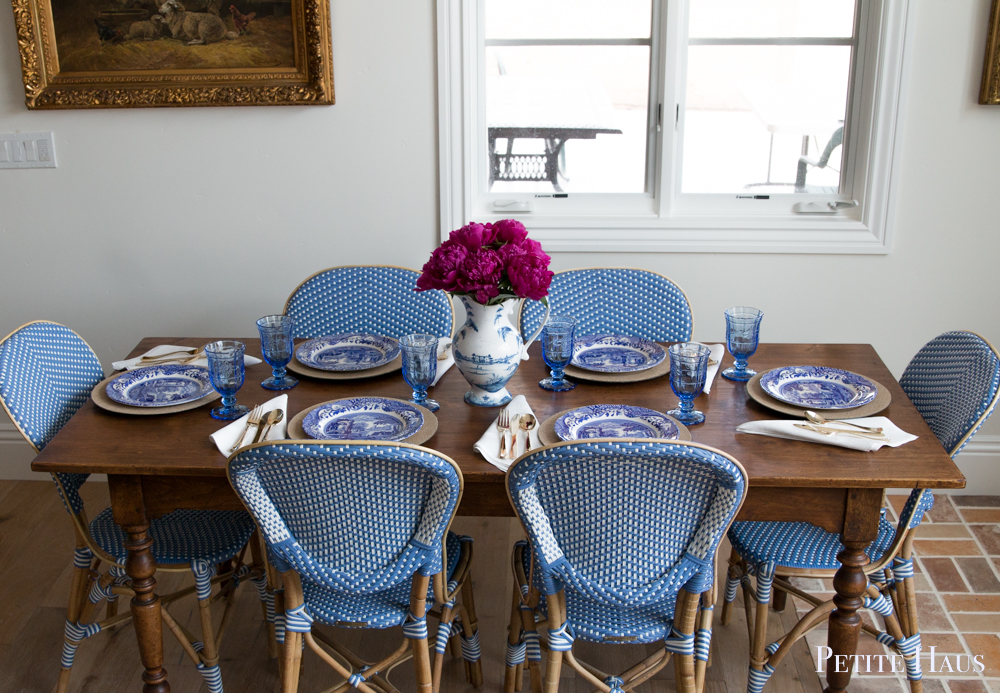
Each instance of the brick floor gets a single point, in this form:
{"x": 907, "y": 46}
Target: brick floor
{"x": 957, "y": 550}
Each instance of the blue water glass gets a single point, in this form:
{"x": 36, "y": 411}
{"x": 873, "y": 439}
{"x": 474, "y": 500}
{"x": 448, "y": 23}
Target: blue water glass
{"x": 420, "y": 366}
{"x": 226, "y": 371}
{"x": 688, "y": 366}
{"x": 742, "y": 333}
{"x": 557, "y": 351}
{"x": 277, "y": 345}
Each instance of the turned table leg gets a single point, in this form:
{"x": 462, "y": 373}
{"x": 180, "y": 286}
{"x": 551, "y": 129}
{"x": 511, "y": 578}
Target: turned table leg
{"x": 860, "y": 529}
{"x": 130, "y": 514}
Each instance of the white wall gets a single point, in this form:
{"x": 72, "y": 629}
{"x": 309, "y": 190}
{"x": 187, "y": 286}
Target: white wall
{"x": 198, "y": 221}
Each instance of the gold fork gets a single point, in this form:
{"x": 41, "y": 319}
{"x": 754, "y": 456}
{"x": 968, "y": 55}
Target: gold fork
{"x": 254, "y": 420}
{"x": 174, "y": 357}
{"x": 503, "y": 425}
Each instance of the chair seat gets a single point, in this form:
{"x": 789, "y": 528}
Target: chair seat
{"x": 181, "y": 536}
{"x": 800, "y": 544}
{"x": 597, "y": 622}
{"x": 376, "y": 610}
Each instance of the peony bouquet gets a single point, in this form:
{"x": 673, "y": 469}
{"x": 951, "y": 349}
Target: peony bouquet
{"x": 491, "y": 263}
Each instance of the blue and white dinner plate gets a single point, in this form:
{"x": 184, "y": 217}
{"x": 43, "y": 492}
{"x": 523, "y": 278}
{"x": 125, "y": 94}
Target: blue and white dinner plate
{"x": 351, "y": 351}
{"x": 612, "y": 353}
{"x": 614, "y": 421}
{"x": 160, "y": 386}
{"x": 363, "y": 418}
{"x": 818, "y": 387}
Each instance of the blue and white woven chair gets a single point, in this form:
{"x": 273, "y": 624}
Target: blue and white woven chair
{"x": 374, "y": 299}
{"x": 623, "y": 536}
{"x": 616, "y": 300}
{"x": 954, "y": 382}
{"x": 46, "y": 373}
{"x": 358, "y": 531}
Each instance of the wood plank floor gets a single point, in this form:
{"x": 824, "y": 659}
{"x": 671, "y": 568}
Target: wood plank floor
{"x": 35, "y": 564}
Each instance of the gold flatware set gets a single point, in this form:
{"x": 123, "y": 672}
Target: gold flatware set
{"x": 512, "y": 424}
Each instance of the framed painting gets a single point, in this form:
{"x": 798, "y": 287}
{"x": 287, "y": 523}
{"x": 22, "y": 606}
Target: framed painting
{"x": 989, "y": 93}
{"x": 144, "y": 53}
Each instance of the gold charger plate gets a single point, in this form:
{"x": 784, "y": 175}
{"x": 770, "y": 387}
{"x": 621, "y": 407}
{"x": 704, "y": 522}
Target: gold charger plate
{"x": 660, "y": 369}
{"x": 100, "y": 396}
{"x": 425, "y": 433}
{"x": 882, "y": 400}
{"x": 297, "y": 366}
{"x": 547, "y": 431}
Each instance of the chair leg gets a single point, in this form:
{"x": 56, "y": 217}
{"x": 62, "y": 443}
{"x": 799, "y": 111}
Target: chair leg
{"x": 758, "y": 674}
{"x": 732, "y": 584}
{"x": 209, "y": 653}
{"x": 421, "y": 653}
{"x": 265, "y": 590}
{"x": 470, "y": 641}
{"x": 441, "y": 644}
{"x": 515, "y": 646}
{"x": 83, "y": 578}
{"x": 685, "y": 617}
{"x": 293, "y": 642}
{"x": 778, "y": 600}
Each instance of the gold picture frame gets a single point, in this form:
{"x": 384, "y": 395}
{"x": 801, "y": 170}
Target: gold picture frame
{"x": 281, "y": 56}
{"x": 989, "y": 93}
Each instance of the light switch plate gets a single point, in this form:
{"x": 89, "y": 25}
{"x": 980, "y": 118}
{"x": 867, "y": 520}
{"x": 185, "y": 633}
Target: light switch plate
{"x": 27, "y": 150}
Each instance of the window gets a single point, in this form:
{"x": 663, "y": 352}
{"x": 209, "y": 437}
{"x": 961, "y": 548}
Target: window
{"x": 672, "y": 125}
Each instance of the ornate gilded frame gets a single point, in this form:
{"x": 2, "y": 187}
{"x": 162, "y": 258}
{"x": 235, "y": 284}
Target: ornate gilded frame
{"x": 990, "y": 91}
{"x": 309, "y": 82}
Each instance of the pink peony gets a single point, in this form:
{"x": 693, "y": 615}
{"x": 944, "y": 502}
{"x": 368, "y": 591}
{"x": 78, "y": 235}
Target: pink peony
{"x": 442, "y": 270}
{"x": 530, "y": 276}
{"x": 510, "y": 231}
{"x": 480, "y": 274}
{"x": 474, "y": 236}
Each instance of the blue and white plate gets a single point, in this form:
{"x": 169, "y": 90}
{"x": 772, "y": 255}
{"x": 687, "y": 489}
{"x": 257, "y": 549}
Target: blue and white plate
{"x": 612, "y": 353}
{"x": 160, "y": 386}
{"x": 351, "y": 351}
{"x": 363, "y": 418}
{"x": 817, "y": 387}
{"x": 614, "y": 421}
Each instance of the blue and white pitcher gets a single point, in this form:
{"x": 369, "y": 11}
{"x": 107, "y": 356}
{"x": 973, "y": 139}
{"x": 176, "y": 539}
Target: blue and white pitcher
{"x": 488, "y": 350}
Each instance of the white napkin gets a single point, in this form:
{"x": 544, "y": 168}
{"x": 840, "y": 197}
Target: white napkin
{"x": 489, "y": 445}
{"x": 226, "y": 437}
{"x": 164, "y": 349}
{"x": 445, "y": 363}
{"x": 787, "y": 429}
{"x": 718, "y": 351}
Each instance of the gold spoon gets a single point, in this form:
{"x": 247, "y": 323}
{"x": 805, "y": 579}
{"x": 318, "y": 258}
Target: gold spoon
{"x": 817, "y": 419}
{"x": 274, "y": 416}
{"x": 527, "y": 424}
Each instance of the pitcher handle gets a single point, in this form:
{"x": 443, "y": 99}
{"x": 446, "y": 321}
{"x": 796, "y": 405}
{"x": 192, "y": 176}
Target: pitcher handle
{"x": 545, "y": 319}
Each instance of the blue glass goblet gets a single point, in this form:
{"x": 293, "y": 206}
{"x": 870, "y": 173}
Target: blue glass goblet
{"x": 742, "y": 333}
{"x": 277, "y": 345}
{"x": 420, "y": 366}
{"x": 557, "y": 352}
{"x": 688, "y": 366}
{"x": 226, "y": 371}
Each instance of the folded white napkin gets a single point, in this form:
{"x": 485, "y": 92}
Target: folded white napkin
{"x": 163, "y": 350}
{"x": 489, "y": 445}
{"x": 226, "y": 437}
{"x": 718, "y": 351}
{"x": 787, "y": 429}
{"x": 445, "y": 363}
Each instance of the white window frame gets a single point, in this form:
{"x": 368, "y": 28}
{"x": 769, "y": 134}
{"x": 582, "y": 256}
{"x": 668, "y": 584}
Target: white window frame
{"x": 663, "y": 221}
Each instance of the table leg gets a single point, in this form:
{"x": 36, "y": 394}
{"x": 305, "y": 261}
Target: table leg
{"x": 130, "y": 514}
{"x": 860, "y": 529}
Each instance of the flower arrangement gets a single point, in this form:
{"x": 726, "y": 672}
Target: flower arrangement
{"x": 491, "y": 263}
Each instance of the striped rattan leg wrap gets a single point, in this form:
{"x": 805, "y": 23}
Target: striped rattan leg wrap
{"x": 415, "y": 628}
{"x": 909, "y": 648}
{"x": 82, "y": 557}
{"x": 279, "y": 621}
{"x": 74, "y": 634}
{"x": 443, "y": 633}
{"x": 470, "y": 647}
{"x": 614, "y": 684}
{"x": 515, "y": 653}
{"x": 759, "y": 677}
{"x": 561, "y": 639}
{"x": 211, "y": 674}
{"x": 203, "y": 574}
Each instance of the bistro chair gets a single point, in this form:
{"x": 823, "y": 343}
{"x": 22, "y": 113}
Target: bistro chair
{"x": 954, "y": 382}
{"x": 375, "y": 299}
{"x": 622, "y": 542}
{"x": 359, "y": 532}
{"x": 615, "y": 300}
{"x": 46, "y": 373}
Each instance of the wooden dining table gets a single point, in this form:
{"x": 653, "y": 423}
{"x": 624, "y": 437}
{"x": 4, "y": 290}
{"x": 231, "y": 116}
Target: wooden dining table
{"x": 158, "y": 464}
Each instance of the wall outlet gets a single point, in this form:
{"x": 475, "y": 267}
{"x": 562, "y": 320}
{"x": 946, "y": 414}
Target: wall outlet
{"x": 27, "y": 150}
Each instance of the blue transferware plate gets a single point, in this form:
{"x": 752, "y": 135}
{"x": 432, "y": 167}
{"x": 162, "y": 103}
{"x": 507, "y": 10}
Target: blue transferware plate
{"x": 363, "y": 418}
{"x": 614, "y": 421}
{"x": 818, "y": 387}
{"x": 160, "y": 386}
{"x": 351, "y": 351}
{"x": 612, "y": 353}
